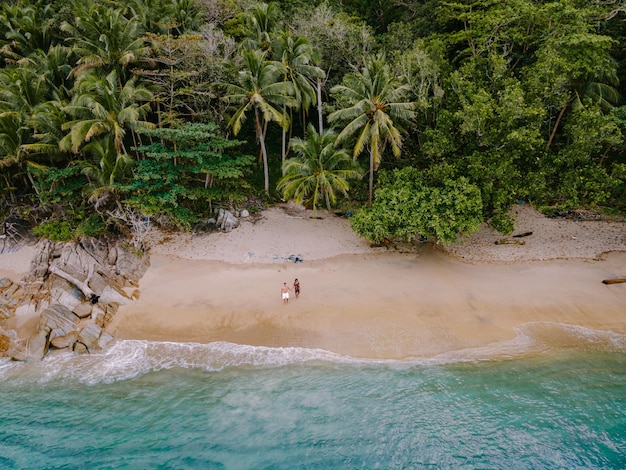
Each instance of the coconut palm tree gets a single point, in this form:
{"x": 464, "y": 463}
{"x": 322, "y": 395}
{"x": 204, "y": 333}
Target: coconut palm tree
{"x": 298, "y": 57}
{"x": 106, "y": 40}
{"x": 318, "y": 170}
{"x": 260, "y": 20}
{"x": 101, "y": 106}
{"x": 377, "y": 105}
{"x": 598, "y": 88}
{"x": 104, "y": 169}
{"x": 26, "y": 27}
{"x": 262, "y": 91}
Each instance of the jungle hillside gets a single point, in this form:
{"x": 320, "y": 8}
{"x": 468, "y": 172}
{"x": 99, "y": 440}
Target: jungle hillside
{"x": 421, "y": 119}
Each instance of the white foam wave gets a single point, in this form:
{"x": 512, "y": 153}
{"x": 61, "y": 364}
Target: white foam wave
{"x": 130, "y": 358}
{"x": 127, "y": 359}
{"x": 542, "y": 337}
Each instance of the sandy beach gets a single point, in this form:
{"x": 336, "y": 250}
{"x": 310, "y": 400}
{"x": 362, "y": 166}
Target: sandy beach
{"x": 421, "y": 301}
{"x": 373, "y": 302}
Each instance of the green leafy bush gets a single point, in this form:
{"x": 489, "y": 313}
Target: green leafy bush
{"x": 409, "y": 205}
{"x": 55, "y": 230}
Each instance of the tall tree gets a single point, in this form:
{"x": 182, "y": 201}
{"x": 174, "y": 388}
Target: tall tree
{"x": 376, "y": 105}
{"x": 101, "y": 106}
{"x": 262, "y": 91}
{"x": 104, "y": 39}
{"x": 298, "y": 57}
{"x": 319, "y": 169}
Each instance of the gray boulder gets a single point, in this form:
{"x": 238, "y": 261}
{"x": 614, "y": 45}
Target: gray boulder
{"x": 226, "y": 221}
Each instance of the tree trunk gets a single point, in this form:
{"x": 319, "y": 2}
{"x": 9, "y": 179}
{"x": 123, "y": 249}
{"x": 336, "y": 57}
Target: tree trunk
{"x": 319, "y": 106}
{"x": 266, "y": 174}
{"x": 556, "y": 125}
{"x": 85, "y": 289}
{"x": 283, "y": 150}
{"x": 371, "y": 191}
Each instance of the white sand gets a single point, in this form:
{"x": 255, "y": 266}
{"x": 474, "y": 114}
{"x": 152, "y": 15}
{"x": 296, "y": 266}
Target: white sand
{"x": 16, "y": 265}
{"x": 275, "y": 234}
{"x": 370, "y": 302}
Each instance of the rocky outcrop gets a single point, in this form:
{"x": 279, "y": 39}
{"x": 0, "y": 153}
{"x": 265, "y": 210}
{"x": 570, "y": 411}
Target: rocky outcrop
{"x": 74, "y": 289}
{"x": 226, "y": 220}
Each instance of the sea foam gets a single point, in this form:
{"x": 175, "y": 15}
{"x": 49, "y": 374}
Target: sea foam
{"x": 127, "y": 359}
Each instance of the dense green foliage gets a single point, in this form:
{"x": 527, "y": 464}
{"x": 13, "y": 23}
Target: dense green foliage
{"x": 319, "y": 170}
{"x": 112, "y": 107}
{"x": 184, "y": 172}
{"x": 410, "y": 203}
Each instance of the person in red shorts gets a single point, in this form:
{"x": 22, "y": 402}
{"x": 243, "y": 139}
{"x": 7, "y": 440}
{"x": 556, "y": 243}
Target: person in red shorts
{"x": 296, "y": 287}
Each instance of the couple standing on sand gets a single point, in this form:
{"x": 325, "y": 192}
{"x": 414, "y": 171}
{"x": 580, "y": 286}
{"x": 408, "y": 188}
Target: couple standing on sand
{"x": 284, "y": 291}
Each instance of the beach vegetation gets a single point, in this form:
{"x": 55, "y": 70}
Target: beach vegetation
{"x": 412, "y": 205}
{"x": 319, "y": 170}
{"x": 184, "y": 172}
{"x": 373, "y": 105}
{"x": 482, "y": 104}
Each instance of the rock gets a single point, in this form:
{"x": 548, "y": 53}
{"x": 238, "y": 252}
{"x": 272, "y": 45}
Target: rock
{"x": 244, "y": 213}
{"x": 205, "y": 225}
{"x": 5, "y": 344}
{"x": 98, "y": 315}
{"x": 80, "y": 348}
{"x": 58, "y": 318}
{"x": 64, "y": 293}
{"x": 37, "y": 346}
{"x": 226, "y": 221}
{"x": 112, "y": 257}
{"x": 55, "y": 292}
{"x": 9, "y": 292}
{"x": 83, "y": 310}
{"x": 104, "y": 340}
{"x": 62, "y": 342}
{"x": 4, "y": 312}
{"x": 90, "y": 336}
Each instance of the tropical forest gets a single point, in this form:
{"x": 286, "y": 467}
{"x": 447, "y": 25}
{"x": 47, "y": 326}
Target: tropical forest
{"x": 421, "y": 119}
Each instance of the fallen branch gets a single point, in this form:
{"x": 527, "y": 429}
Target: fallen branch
{"x": 85, "y": 289}
{"x": 524, "y": 234}
{"x": 506, "y": 241}
{"x": 618, "y": 280}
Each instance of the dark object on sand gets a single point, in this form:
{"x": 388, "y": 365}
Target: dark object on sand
{"x": 506, "y": 241}
{"x": 524, "y": 234}
{"x": 618, "y": 280}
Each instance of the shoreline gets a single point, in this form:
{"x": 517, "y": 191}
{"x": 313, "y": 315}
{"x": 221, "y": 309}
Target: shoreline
{"x": 374, "y": 303}
{"x": 380, "y": 306}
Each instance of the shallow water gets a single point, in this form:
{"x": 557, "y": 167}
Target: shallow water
{"x": 173, "y": 405}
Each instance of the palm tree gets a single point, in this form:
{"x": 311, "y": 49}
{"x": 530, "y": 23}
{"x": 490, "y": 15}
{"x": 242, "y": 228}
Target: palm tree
{"x": 104, "y": 170}
{"x": 261, "y": 90}
{"x": 598, "y": 88}
{"x": 27, "y": 27}
{"x": 298, "y": 57}
{"x": 101, "y": 106}
{"x": 107, "y": 40}
{"x": 377, "y": 105}
{"x": 318, "y": 170}
{"x": 260, "y": 20}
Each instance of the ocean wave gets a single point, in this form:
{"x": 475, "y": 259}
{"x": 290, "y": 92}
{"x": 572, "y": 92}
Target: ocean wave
{"x": 127, "y": 359}
{"x": 541, "y": 338}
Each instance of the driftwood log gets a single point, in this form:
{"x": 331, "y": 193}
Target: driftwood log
{"x": 506, "y": 241}
{"x": 523, "y": 234}
{"x": 618, "y": 280}
{"x": 83, "y": 286}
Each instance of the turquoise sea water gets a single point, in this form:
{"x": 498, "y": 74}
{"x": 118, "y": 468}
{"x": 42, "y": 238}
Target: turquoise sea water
{"x": 170, "y": 405}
